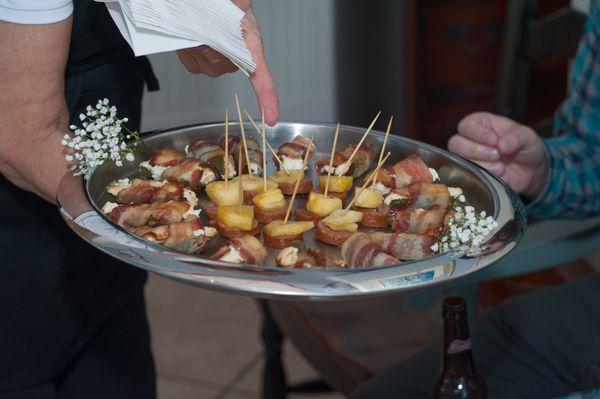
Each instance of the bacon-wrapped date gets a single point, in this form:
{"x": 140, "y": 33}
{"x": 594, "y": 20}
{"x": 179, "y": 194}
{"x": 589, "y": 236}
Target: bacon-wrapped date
{"x": 212, "y": 153}
{"x": 361, "y": 162}
{"x": 192, "y": 172}
{"x": 244, "y": 249}
{"x": 405, "y": 246}
{"x": 292, "y": 153}
{"x": 298, "y": 256}
{"x": 254, "y": 152}
{"x": 405, "y": 172}
{"x": 418, "y": 221}
{"x": 421, "y": 195}
{"x": 154, "y": 214}
{"x": 359, "y": 251}
{"x": 144, "y": 190}
{"x": 188, "y": 236}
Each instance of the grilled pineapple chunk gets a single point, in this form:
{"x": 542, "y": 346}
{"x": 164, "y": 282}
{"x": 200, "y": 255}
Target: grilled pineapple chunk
{"x": 278, "y": 228}
{"x": 337, "y": 184}
{"x": 343, "y": 220}
{"x": 222, "y": 196}
{"x": 232, "y": 217}
{"x": 269, "y": 200}
{"x": 280, "y": 177}
{"x": 254, "y": 183}
{"x": 368, "y": 198}
{"x": 321, "y": 205}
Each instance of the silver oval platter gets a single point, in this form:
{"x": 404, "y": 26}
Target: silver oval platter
{"x": 80, "y": 201}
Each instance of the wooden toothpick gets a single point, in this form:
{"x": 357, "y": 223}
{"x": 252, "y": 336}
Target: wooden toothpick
{"x": 349, "y": 161}
{"x": 226, "y": 147}
{"x": 387, "y": 133}
{"x": 264, "y": 152}
{"x": 240, "y": 177}
{"x": 237, "y": 104}
{"x": 337, "y": 130}
{"x": 367, "y": 181}
{"x": 268, "y": 145}
{"x": 300, "y": 177}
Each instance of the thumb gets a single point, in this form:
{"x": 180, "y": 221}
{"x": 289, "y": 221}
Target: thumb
{"x": 512, "y": 142}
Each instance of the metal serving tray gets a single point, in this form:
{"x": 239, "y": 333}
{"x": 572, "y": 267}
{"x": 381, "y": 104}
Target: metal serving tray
{"x": 81, "y": 200}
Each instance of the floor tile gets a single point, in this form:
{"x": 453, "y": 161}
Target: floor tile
{"x": 201, "y": 334}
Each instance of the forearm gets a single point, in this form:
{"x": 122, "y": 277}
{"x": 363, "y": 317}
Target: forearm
{"x": 33, "y": 111}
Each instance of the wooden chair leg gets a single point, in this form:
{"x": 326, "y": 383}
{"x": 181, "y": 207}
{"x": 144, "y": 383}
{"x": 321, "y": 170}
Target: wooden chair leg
{"x": 274, "y": 385}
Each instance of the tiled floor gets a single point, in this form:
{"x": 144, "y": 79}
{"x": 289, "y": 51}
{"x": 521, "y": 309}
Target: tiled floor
{"x": 206, "y": 344}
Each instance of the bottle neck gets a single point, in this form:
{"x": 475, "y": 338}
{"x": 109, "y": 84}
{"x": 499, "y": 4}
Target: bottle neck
{"x": 457, "y": 346}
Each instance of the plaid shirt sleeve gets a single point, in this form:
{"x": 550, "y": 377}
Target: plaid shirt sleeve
{"x": 573, "y": 189}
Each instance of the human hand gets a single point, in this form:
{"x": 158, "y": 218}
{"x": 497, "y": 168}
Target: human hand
{"x": 208, "y": 61}
{"x": 512, "y": 151}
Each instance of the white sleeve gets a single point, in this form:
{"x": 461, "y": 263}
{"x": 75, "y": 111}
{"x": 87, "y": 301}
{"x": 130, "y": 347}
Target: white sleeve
{"x": 34, "y": 12}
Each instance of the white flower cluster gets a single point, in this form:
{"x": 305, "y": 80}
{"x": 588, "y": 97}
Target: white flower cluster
{"x": 101, "y": 137}
{"x": 465, "y": 230}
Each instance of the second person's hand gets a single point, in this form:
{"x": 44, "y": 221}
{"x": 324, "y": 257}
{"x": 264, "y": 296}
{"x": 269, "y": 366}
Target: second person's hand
{"x": 208, "y": 61}
{"x": 512, "y": 151}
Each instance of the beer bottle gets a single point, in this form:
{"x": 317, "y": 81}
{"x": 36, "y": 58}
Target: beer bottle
{"x": 457, "y": 378}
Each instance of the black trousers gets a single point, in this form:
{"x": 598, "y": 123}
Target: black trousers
{"x": 539, "y": 345}
{"x": 72, "y": 320}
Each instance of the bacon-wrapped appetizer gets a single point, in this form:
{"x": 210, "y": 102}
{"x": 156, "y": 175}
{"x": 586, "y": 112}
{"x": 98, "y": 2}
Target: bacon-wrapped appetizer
{"x": 161, "y": 160}
{"x": 137, "y": 191}
{"x": 154, "y": 214}
{"x": 269, "y": 205}
{"x": 292, "y": 153}
{"x": 318, "y": 206}
{"x": 359, "y": 251}
{"x": 278, "y": 234}
{"x": 243, "y": 249}
{"x": 361, "y": 162}
{"x": 235, "y": 221}
{"x": 254, "y": 152}
{"x": 297, "y": 256}
{"x": 405, "y": 246}
{"x": 188, "y": 236}
{"x": 420, "y": 195}
{"x": 338, "y": 226}
{"x": 212, "y": 153}
{"x": 408, "y": 171}
{"x": 418, "y": 221}
{"x": 192, "y": 172}
{"x": 370, "y": 203}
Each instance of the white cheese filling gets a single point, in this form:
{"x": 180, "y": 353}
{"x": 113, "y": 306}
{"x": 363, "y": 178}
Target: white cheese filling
{"x": 155, "y": 171}
{"x": 288, "y": 256}
{"x": 380, "y": 187}
{"x": 108, "y": 207}
{"x": 434, "y": 174}
{"x": 233, "y": 255}
{"x": 208, "y": 176}
{"x": 256, "y": 168}
{"x": 392, "y": 197}
{"x": 206, "y": 231}
{"x": 191, "y": 199}
{"x": 292, "y": 163}
{"x": 118, "y": 186}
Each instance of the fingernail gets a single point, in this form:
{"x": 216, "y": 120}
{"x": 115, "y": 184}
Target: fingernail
{"x": 270, "y": 116}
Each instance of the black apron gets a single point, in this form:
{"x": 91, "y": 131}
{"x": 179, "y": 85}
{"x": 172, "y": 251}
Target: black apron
{"x": 56, "y": 291}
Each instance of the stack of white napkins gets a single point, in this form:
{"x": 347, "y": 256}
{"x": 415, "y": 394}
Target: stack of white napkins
{"x": 154, "y": 26}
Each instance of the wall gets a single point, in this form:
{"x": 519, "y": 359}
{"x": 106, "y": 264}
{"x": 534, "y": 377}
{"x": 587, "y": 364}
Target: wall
{"x": 298, "y": 36}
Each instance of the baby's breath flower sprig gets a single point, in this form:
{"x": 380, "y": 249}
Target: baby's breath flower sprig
{"x": 102, "y": 136}
{"x": 465, "y": 230}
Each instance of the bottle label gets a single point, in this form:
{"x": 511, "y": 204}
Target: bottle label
{"x": 459, "y": 345}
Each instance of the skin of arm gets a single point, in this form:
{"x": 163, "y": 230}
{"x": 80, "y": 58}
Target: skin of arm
{"x": 33, "y": 110}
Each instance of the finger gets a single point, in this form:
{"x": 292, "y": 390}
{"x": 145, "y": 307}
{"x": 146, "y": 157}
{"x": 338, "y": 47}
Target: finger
{"x": 195, "y": 63}
{"x": 512, "y": 142}
{"x": 497, "y": 168}
{"x": 219, "y": 62}
{"x": 477, "y": 128}
{"x": 472, "y": 150}
{"x": 264, "y": 87}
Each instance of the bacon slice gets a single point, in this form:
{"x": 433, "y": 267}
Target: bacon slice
{"x": 145, "y": 190}
{"x": 188, "y": 237}
{"x": 154, "y": 214}
{"x": 249, "y": 248}
{"x": 361, "y": 162}
{"x": 426, "y": 196}
{"x": 417, "y": 221}
{"x": 359, "y": 251}
{"x": 405, "y": 246}
{"x": 405, "y": 172}
{"x": 166, "y": 157}
{"x": 190, "y": 172}
{"x": 212, "y": 153}
{"x": 254, "y": 152}
{"x": 296, "y": 149}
